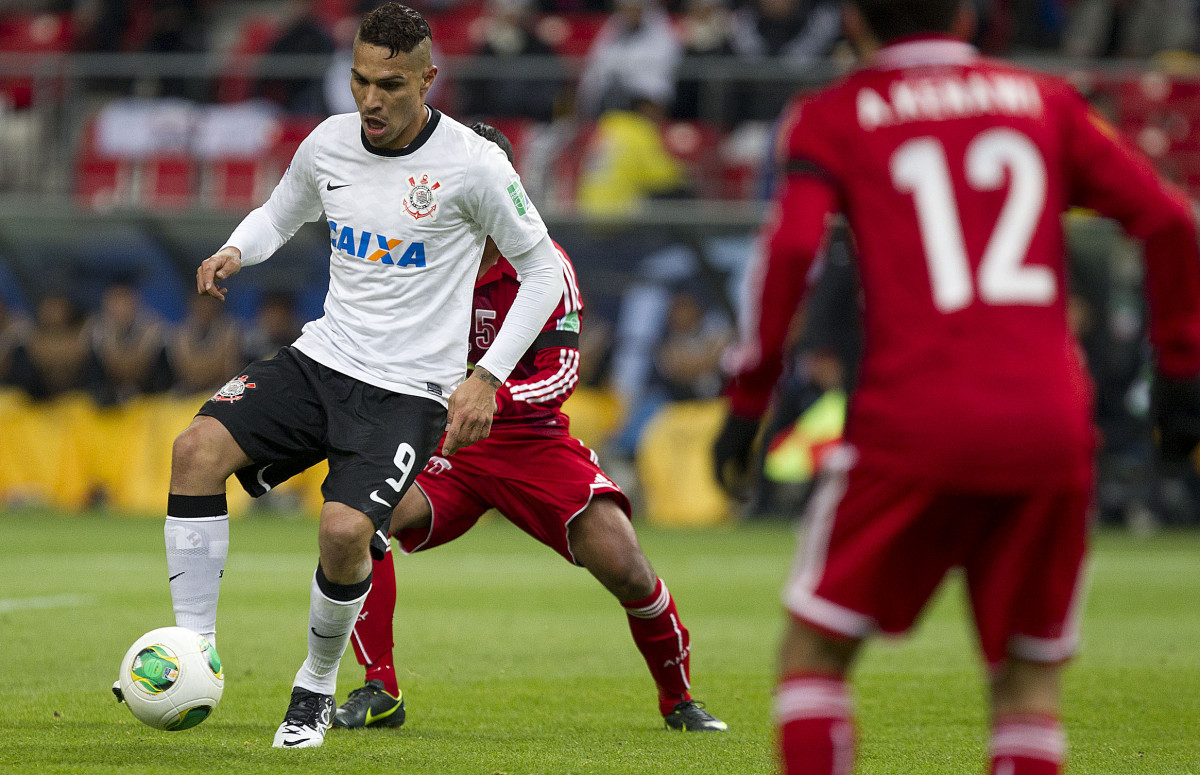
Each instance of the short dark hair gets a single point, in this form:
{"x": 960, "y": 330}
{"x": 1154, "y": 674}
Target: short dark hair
{"x": 489, "y": 132}
{"x": 394, "y": 27}
{"x": 893, "y": 19}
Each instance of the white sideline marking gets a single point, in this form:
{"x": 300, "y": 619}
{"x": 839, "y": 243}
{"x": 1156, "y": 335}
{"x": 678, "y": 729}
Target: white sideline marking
{"x": 11, "y": 604}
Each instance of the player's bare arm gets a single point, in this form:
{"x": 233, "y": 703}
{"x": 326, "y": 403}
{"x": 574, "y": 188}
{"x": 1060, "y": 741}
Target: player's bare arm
{"x": 223, "y": 264}
{"x": 470, "y": 410}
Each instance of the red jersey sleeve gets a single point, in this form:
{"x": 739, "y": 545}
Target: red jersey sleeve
{"x": 555, "y": 360}
{"x": 1111, "y": 177}
{"x": 547, "y": 388}
{"x": 791, "y": 241}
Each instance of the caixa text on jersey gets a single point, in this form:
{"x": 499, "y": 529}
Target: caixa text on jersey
{"x": 375, "y": 247}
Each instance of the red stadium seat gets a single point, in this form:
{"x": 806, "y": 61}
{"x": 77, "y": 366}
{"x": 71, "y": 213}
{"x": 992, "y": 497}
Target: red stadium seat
{"x": 518, "y": 131}
{"x": 101, "y": 183}
{"x": 698, "y": 145}
{"x": 237, "y": 184}
{"x": 31, "y": 34}
{"x": 572, "y": 34}
{"x": 166, "y": 182}
{"x": 458, "y": 31}
{"x": 254, "y": 39}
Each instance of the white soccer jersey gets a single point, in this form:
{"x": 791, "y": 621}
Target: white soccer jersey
{"x": 407, "y": 229}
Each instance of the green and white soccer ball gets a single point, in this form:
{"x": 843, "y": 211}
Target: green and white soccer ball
{"x": 171, "y": 678}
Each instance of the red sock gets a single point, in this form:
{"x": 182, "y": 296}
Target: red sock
{"x": 372, "y": 635}
{"x": 1028, "y": 745}
{"x": 664, "y": 643}
{"x": 816, "y": 725}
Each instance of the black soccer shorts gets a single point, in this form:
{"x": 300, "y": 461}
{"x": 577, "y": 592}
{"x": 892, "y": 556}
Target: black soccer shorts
{"x": 290, "y": 412}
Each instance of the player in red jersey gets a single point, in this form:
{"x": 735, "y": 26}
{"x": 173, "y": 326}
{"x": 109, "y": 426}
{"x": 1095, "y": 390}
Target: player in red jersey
{"x": 546, "y": 483}
{"x": 968, "y": 442}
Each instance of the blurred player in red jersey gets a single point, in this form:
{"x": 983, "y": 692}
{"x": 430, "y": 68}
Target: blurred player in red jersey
{"x": 969, "y": 441}
{"x": 546, "y": 483}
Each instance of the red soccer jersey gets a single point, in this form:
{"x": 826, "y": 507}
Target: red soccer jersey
{"x": 547, "y": 374}
{"x": 953, "y": 172}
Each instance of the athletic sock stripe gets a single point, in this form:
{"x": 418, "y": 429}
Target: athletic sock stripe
{"x": 811, "y": 699}
{"x": 1029, "y": 741}
{"x": 660, "y": 604}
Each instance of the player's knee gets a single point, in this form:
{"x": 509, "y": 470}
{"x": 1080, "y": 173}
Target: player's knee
{"x": 198, "y": 449}
{"x": 603, "y": 541}
{"x": 344, "y": 531}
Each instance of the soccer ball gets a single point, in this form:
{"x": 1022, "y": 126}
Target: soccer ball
{"x": 170, "y": 679}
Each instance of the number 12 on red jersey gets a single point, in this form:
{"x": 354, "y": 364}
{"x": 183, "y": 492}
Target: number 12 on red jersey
{"x": 920, "y": 167}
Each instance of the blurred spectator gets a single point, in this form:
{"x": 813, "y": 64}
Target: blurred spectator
{"x": 302, "y": 33}
{"x": 57, "y": 357}
{"x": 687, "y": 363}
{"x": 178, "y": 27}
{"x": 127, "y": 340}
{"x": 686, "y": 366}
{"x": 275, "y": 326}
{"x": 508, "y": 33}
{"x": 633, "y": 56}
{"x": 627, "y": 162}
{"x": 706, "y": 30}
{"x": 1130, "y": 28}
{"x": 205, "y": 349}
{"x": 14, "y": 331}
{"x": 798, "y": 31}
{"x": 100, "y": 25}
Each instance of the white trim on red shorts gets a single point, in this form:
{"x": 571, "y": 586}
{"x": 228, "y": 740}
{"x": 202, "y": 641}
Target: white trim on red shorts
{"x": 1062, "y": 648}
{"x": 798, "y": 594}
{"x": 432, "y": 519}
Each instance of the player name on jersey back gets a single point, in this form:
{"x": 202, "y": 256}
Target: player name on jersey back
{"x": 948, "y": 96}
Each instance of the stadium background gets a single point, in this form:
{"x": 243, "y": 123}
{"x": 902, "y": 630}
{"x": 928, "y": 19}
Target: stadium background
{"x": 134, "y": 134}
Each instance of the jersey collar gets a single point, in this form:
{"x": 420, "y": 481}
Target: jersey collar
{"x": 434, "y": 116}
{"x": 922, "y": 51}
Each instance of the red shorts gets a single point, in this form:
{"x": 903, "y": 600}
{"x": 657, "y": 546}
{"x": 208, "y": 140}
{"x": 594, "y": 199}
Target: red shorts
{"x": 878, "y": 546}
{"x": 538, "y": 482}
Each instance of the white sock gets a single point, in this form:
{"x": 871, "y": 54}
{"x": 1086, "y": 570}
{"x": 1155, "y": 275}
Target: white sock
{"x": 330, "y": 622}
{"x": 197, "y": 548}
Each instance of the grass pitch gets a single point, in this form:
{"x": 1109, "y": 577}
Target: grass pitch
{"x": 514, "y": 663}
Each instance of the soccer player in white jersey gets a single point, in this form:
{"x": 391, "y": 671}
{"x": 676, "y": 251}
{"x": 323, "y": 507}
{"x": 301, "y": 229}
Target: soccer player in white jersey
{"x": 410, "y": 196}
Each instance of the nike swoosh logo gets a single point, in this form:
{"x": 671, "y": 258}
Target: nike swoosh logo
{"x": 375, "y": 497}
{"x": 177, "y": 575}
{"x": 330, "y": 187}
{"x": 290, "y": 743}
{"x": 319, "y": 635}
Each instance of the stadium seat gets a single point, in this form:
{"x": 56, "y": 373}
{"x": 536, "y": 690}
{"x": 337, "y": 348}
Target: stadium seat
{"x": 166, "y": 182}
{"x": 236, "y": 184}
{"x": 698, "y": 145}
{"x": 459, "y": 31}
{"x": 30, "y": 34}
{"x": 101, "y": 182}
{"x": 254, "y": 39}
{"x": 570, "y": 34}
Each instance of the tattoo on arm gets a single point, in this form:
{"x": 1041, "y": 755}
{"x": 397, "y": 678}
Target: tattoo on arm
{"x": 488, "y": 377}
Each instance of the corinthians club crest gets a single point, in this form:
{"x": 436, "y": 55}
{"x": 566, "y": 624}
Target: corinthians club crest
{"x": 234, "y": 389}
{"x": 421, "y": 200}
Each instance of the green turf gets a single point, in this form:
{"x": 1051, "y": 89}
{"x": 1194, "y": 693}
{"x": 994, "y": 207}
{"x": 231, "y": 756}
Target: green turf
{"x": 515, "y": 663}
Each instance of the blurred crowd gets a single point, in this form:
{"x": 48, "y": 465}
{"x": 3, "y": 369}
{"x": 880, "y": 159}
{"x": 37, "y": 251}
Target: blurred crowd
{"x": 632, "y": 48}
{"x": 123, "y": 349}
